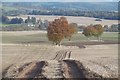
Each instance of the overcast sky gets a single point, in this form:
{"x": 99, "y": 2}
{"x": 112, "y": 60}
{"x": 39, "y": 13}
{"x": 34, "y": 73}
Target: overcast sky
{"x": 60, "y": 0}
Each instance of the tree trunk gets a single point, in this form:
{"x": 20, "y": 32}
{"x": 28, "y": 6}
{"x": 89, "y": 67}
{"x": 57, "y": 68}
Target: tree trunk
{"x": 56, "y": 43}
{"x": 98, "y": 38}
{"x": 88, "y": 38}
{"x": 59, "y": 43}
{"x": 69, "y": 38}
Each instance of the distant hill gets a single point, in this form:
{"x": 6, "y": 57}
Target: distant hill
{"x": 102, "y": 10}
{"x": 101, "y": 6}
{"x": 92, "y": 6}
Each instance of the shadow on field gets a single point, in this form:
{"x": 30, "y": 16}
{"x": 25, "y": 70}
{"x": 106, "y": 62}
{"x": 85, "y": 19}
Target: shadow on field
{"x": 82, "y": 43}
{"x": 35, "y": 42}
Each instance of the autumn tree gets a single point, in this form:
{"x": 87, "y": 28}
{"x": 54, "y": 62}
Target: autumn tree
{"x": 72, "y": 29}
{"x": 99, "y": 30}
{"x": 93, "y": 30}
{"x": 88, "y": 31}
{"x": 58, "y": 30}
{"x": 55, "y": 38}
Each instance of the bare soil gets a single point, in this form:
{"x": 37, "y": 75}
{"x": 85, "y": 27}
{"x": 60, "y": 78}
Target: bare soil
{"x": 75, "y": 69}
{"x": 48, "y": 61}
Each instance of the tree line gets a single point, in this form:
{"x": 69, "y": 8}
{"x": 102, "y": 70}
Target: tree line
{"x": 62, "y": 12}
{"x": 111, "y": 15}
{"x": 6, "y": 20}
{"x": 30, "y": 23}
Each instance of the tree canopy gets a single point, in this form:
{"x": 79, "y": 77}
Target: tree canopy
{"x": 93, "y": 30}
{"x": 59, "y": 29}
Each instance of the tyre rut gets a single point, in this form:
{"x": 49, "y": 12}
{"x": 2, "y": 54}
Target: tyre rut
{"x": 62, "y": 54}
{"x": 75, "y": 69}
{"x": 32, "y": 71}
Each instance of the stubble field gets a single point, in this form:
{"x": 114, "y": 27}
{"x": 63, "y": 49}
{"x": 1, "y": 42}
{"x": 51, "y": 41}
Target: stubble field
{"x": 30, "y": 54}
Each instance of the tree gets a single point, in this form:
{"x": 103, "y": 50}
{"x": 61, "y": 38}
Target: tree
{"x": 20, "y": 20}
{"x": 39, "y": 22}
{"x": 28, "y": 19}
{"x": 55, "y": 38}
{"x": 99, "y": 30}
{"x": 93, "y": 30}
{"x": 72, "y": 29}
{"x": 106, "y": 28}
{"x": 5, "y": 19}
{"x": 46, "y": 23}
{"x": 114, "y": 27}
{"x": 88, "y": 31}
{"x": 58, "y": 30}
{"x": 16, "y": 20}
{"x": 33, "y": 20}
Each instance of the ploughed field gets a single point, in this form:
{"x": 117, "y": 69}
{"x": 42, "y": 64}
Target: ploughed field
{"x": 41, "y": 59}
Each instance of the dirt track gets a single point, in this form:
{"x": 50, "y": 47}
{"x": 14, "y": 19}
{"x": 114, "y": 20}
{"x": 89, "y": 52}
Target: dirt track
{"x": 45, "y": 61}
{"x": 51, "y": 69}
{"x": 33, "y": 70}
{"x": 62, "y": 54}
{"x": 74, "y": 70}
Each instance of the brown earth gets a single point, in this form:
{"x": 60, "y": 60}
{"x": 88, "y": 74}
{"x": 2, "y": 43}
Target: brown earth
{"x": 48, "y": 61}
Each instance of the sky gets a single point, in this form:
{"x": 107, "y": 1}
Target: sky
{"x": 59, "y": 0}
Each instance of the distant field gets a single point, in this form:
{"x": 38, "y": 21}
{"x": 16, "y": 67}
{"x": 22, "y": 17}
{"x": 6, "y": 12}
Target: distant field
{"x": 41, "y": 37}
{"x": 71, "y": 19}
{"x": 11, "y": 25}
{"x": 8, "y": 8}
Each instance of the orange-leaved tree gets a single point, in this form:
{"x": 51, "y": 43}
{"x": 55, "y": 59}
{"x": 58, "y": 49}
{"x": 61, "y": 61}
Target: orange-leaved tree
{"x": 72, "y": 29}
{"x": 57, "y": 30}
{"x": 93, "y": 30}
{"x": 99, "y": 29}
{"x": 88, "y": 31}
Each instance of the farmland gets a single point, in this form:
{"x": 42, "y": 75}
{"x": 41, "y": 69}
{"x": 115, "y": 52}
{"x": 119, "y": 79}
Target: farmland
{"x": 32, "y": 48}
{"x": 41, "y": 36}
{"x": 36, "y": 40}
{"x": 71, "y": 19}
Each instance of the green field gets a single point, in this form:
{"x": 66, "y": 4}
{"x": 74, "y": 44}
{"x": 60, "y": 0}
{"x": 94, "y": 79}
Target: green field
{"x": 11, "y": 25}
{"x": 8, "y": 8}
{"x": 32, "y": 37}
